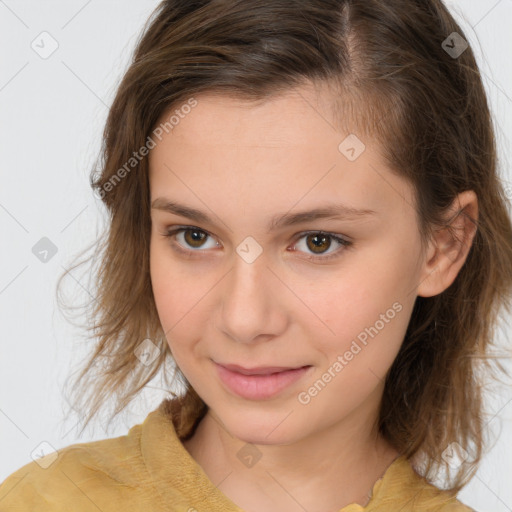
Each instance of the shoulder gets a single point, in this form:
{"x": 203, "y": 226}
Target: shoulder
{"x": 403, "y": 489}
{"x": 78, "y": 477}
{"x": 456, "y": 506}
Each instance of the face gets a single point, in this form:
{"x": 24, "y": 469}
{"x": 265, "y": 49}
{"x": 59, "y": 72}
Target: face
{"x": 329, "y": 297}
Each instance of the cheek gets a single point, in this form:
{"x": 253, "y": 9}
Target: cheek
{"x": 366, "y": 334}
{"x": 365, "y": 314}
{"x": 180, "y": 301}
{"x": 368, "y": 328}
{"x": 169, "y": 290}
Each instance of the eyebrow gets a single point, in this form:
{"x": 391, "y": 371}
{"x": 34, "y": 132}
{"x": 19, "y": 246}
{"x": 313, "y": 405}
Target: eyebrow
{"x": 331, "y": 211}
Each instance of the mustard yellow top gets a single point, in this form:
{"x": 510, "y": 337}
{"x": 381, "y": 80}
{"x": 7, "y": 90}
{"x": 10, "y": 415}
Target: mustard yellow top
{"x": 149, "y": 470}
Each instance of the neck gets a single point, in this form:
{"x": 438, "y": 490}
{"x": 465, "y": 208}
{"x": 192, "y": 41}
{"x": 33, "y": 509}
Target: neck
{"x": 322, "y": 472}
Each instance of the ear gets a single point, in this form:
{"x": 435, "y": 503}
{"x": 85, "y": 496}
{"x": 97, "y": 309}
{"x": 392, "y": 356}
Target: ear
{"x": 449, "y": 248}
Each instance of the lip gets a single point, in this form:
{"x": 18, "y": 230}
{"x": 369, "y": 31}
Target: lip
{"x": 260, "y": 370}
{"x": 259, "y": 383}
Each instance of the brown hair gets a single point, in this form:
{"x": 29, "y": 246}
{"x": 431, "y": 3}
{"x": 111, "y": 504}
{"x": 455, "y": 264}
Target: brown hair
{"x": 396, "y": 83}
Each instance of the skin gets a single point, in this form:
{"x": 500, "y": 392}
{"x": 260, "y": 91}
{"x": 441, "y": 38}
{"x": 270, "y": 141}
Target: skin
{"x": 242, "y": 163}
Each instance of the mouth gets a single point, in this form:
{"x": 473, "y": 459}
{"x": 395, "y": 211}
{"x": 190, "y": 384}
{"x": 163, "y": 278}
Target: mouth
{"x": 260, "y": 370}
{"x": 259, "y": 383}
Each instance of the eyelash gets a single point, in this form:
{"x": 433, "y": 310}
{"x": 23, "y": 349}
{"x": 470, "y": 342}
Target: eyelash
{"x": 345, "y": 243}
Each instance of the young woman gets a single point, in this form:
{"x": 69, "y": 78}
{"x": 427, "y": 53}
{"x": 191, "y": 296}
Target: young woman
{"x": 307, "y": 219}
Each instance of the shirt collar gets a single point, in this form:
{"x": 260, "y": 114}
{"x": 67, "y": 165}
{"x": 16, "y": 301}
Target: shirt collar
{"x": 180, "y": 480}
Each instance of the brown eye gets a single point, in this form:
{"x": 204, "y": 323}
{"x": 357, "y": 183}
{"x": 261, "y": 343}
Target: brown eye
{"x": 194, "y": 237}
{"x": 319, "y": 243}
{"x": 189, "y": 239}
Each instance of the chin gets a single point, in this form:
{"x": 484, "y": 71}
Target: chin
{"x": 260, "y": 438}
{"x": 260, "y": 428}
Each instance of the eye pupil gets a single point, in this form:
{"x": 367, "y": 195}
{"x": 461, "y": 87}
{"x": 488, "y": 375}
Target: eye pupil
{"x": 196, "y": 237}
{"x": 323, "y": 238}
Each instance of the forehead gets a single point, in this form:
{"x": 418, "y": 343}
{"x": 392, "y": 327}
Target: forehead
{"x": 282, "y": 149}
{"x": 298, "y": 116}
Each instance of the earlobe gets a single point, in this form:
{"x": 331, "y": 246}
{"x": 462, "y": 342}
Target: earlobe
{"x": 450, "y": 246}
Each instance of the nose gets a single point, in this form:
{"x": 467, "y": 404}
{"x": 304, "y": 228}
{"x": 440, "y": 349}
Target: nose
{"x": 252, "y": 302}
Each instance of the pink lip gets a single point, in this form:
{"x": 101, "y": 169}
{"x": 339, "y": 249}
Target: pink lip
{"x": 258, "y": 383}
{"x": 260, "y": 370}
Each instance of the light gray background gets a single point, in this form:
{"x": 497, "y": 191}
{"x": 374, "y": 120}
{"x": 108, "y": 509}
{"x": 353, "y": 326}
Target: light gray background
{"x": 52, "y": 114}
